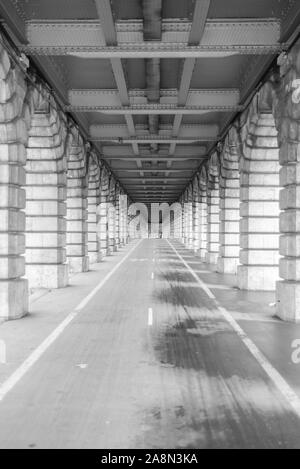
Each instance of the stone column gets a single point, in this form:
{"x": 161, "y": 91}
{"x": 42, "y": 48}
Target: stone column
{"x": 13, "y": 137}
{"x": 77, "y": 235}
{"x": 122, "y": 217}
{"x": 185, "y": 219}
{"x": 103, "y": 221}
{"x": 46, "y": 180}
{"x": 182, "y": 221}
{"x": 259, "y": 209}
{"x": 127, "y": 220}
{"x": 186, "y": 223}
{"x": 112, "y": 216}
{"x": 288, "y": 124}
{"x": 229, "y": 206}
{"x": 176, "y": 208}
{"x": 203, "y": 212}
{"x": 190, "y": 234}
{"x": 213, "y": 209}
{"x": 196, "y": 215}
{"x": 117, "y": 215}
{"x": 93, "y": 202}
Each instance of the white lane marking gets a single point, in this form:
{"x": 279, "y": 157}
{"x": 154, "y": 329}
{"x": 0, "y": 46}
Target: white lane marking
{"x": 139, "y": 260}
{"x": 152, "y": 275}
{"x": 150, "y": 317}
{"x": 278, "y": 380}
{"x": 153, "y": 259}
{"x": 18, "y": 374}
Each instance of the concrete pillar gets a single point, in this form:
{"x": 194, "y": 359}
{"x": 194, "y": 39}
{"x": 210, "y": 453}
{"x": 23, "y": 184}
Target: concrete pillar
{"x": 228, "y": 259}
{"x": 213, "y": 216}
{"x": 185, "y": 220}
{"x": 46, "y": 180}
{"x": 77, "y": 235}
{"x": 117, "y": 215}
{"x": 196, "y": 215}
{"x": 187, "y": 224}
{"x": 203, "y": 213}
{"x": 93, "y": 200}
{"x": 13, "y": 137}
{"x": 288, "y": 124}
{"x": 123, "y": 218}
{"x": 182, "y": 221}
{"x": 112, "y": 216}
{"x": 176, "y": 225}
{"x": 128, "y": 218}
{"x": 259, "y": 209}
{"x": 103, "y": 220}
{"x": 190, "y": 234}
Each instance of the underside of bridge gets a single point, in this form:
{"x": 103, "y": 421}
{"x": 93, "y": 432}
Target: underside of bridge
{"x": 150, "y": 155}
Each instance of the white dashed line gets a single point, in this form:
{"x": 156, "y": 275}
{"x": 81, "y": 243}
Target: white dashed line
{"x": 150, "y": 317}
{"x": 278, "y": 380}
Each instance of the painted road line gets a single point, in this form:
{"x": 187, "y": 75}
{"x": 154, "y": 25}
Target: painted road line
{"x": 278, "y": 380}
{"x": 150, "y": 317}
{"x": 152, "y": 275}
{"x": 18, "y": 374}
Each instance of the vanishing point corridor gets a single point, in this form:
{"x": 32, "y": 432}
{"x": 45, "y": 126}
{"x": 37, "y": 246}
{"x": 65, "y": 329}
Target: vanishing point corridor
{"x": 150, "y": 361}
{"x": 149, "y": 227}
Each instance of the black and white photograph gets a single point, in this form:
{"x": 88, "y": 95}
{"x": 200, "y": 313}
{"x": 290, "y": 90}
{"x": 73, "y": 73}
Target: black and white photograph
{"x": 149, "y": 228}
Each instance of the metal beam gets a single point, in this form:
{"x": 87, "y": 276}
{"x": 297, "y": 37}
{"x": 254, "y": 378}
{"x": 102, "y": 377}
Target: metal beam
{"x": 196, "y": 97}
{"x": 196, "y": 34}
{"x": 118, "y": 72}
{"x": 155, "y": 50}
{"x": 187, "y": 71}
{"x": 154, "y": 196}
{"x": 155, "y": 157}
{"x": 154, "y": 108}
{"x": 145, "y": 194}
{"x": 13, "y": 21}
{"x": 153, "y": 193}
{"x": 149, "y": 200}
{"x": 129, "y": 188}
{"x": 151, "y": 186}
{"x": 120, "y": 131}
{"x": 147, "y": 191}
{"x": 153, "y": 138}
{"x": 110, "y": 36}
{"x": 106, "y": 21}
{"x": 160, "y": 179}
{"x": 154, "y": 170}
{"x": 183, "y": 151}
{"x": 199, "y": 20}
{"x": 152, "y": 20}
{"x": 231, "y": 31}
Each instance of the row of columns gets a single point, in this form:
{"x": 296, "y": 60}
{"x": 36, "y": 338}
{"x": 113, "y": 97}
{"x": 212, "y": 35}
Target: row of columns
{"x": 244, "y": 201}
{"x": 59, "y": 205}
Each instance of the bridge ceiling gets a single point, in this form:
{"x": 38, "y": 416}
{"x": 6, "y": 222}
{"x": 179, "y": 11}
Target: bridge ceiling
{"x": 154, "y": 83}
